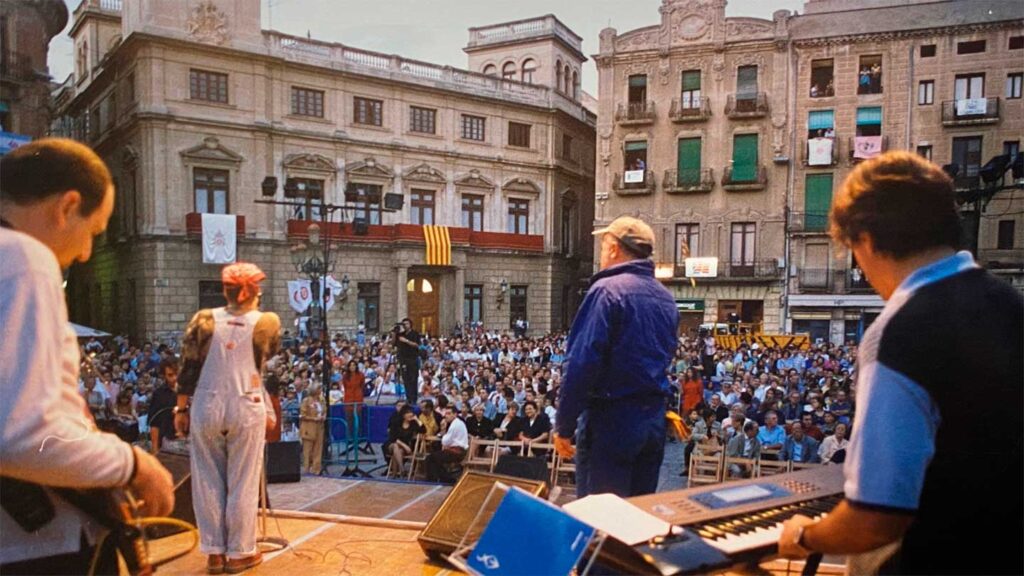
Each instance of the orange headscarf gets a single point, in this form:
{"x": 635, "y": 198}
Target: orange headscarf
{"x": 245, "y": 276}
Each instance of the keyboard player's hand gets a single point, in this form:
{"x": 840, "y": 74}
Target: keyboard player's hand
{"x": 788, "y": 546}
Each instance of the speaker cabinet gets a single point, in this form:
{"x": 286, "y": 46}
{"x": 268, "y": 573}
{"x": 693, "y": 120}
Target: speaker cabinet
{"x": 283, "y": 462}
{"x": 177, "y": 463}
{"x": 452, "y": 521}
{"x": 529, "y": 467}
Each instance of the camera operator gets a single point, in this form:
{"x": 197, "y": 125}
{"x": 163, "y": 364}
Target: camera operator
{"x": 408, "y": 342}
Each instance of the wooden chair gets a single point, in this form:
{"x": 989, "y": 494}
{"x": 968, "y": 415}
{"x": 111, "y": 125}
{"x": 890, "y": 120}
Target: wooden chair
{"x": 500, "y": 446}
{"x": 804, "y": 465}
{"x": 706, "y": 468}
{"x": 405, "y": 458}
{"x": 419, "y": 453}
{"x": 736, "y": 468}
{"x": 548, "y": 452}
{"x": 772, "y": 467}
{"x": 478, "y": 455}
{"x": 563, "y": 466}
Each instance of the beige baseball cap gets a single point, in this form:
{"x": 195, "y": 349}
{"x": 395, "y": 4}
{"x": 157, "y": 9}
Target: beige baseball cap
{"x": 634, "y": 233}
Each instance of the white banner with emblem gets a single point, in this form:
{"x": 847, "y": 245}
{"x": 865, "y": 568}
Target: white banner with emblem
{"x": 300, "y": 293}
{"x": 220, "y": 240}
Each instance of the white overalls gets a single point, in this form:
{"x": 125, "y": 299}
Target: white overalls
{"x": 228, "y": 428}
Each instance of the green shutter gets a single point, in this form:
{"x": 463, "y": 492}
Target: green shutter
{"x": 633, "y": 146}
{"x": 817, "y": 201}
{"x": 691, "y": 80}
{"x": 744, "y": 158}
{"x": 689, "y": 161}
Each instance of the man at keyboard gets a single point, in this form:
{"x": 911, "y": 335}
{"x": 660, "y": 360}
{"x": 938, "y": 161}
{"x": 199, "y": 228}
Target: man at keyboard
{"x": 927, "y": 476}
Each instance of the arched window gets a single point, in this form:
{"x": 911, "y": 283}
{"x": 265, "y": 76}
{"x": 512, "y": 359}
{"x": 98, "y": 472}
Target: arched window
{"x": 567, "y": 78}
{"x": 491, "y": 70}
{"x": 575, "y": 85}
{"x": 529, "y": 66}
{"x": 558, "y": 75}
{"x": 508, "y": 71}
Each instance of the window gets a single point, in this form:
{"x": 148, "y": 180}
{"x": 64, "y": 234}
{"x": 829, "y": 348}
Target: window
{"x": 1011, "y": 148}
{"x": 490, "y": 70}
{"x": 210, "y": 188}
{"x": 422, "y": 204}
{"x": 741, "y": 254}
{"x": 366, "y": 198}
{"x": 566, "y": 146}
{"x": 926, "y": 92}
{"x": 817, "y": 201}
{"x": 928, "y": 51}
{"x": 529, "y": 67}
{"x": 687, "y": 242}
{"x": 368, "y": 305}
{"x": 473, "y": 212}
{"x": 691, "y": 89}
{"x": 971, "y": 47}
{"x": 568, "y": 232}
{"x": 208, "y": 86}
{"x": 822, "y": 78}
{"x": 968, "y": 86}
{"x": 1004, "y": 240}
{"x": 517, "y": 304}
{"x": 869, "y": 75}
{"x": 688, "y": 162}
{"x": 1016, "y": 42}
{"x": 558, "y": 75}
{"x": 821, "y": 124}
{"x": 567, "y": 80}
{"x": 1013, "y": 85}
{"x": 746, "y": 83}
{"x": 211, "y": 294}
{"x": 869, "y": 121}
{"x": 307, "y": 102}
{"x": 967, "y": 155}
{"x": 310, "y": 190}
{"x": 925, "y": 151}
{"x": 575, "y": 85}
{"x": 422, "y": 120}
{"x": 367, "y": 111}
{"x": 636, "y": 161}
{"x": 638, "y": 89}
{"x": 473, "y": 127}
{"x": 508, "y": 71}
{"x": 518, "y": 216}
{"x": 744, "y": 158}
{"x": 473, "y": 303}
{"x": 519, "y": 134}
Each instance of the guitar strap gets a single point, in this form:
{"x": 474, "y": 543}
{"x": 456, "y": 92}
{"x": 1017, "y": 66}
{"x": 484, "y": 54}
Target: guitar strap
{"x": 26, "y": 503}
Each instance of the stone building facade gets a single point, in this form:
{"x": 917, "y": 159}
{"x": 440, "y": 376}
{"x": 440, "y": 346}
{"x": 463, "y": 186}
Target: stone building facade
{"x": 26, "y": 28}
{"x": 844, "y": 74}
{"x": 194, "y": 107}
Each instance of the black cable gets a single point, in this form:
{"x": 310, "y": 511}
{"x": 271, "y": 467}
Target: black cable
{"x": 811, "y": 564}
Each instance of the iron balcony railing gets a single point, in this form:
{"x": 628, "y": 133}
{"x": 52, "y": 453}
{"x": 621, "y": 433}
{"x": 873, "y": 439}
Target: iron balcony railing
{"x": 834, "y": 160}
{"x": 808, "y": 221}
{"x": 689, "y": 180}
{"x": 746, "y": 105}
{"x": 743, "y": 182}
{"x": 635, "y": 112}
{"x": 623, "y": 188}
{"x": 689, "y": 113}
{"x": 967, "y": 112}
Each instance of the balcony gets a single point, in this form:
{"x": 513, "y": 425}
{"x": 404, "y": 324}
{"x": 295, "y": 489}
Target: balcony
{"x": 18, "y": 66}
{"x": 194, "y": 224}
{"x": 747, "y": 106}
{"x": 413, "y": 234}
{"x": 808, "y": 222}
{"x": 819, "y": 279}
{"x": 623, "y": 188}
{"x": 528, "y": 29}
{"x": 755, "y": 271}
{"x": 857, "y": 282}
{"x": 689, "y": 181}
{"x": 865, "y": 147}
{"x": 635, "y": 113}
{"x": 733, "y": 184}
{"x": 833, "y": 160}
{"x": 680, "y": 114}
{"x": 970, "y": 112}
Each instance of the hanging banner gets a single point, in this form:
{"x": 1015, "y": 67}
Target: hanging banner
{"x": 219, "y": 238}
{"x": 819, "y": 152}
{"x": 439, "y": 245}
{"x": 865, "y": 147}
{"x": 705, "y": 267}
{"x": 971, "y": 106}
{"x": 299, "y": 295}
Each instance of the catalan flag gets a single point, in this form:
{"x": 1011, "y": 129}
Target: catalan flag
{"x": 439, "y": 245}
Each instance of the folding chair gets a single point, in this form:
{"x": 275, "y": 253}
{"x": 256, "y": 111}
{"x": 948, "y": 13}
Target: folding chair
{"x": 705, "y": 468}
{"x": 478, "y": 455}
{"x": 772, "y": 467}
{"x": 410, "y": 458}
{"x": 504, "y": 447}
{"x": 419, "y": 452}
{"x": 735, "y": 468}
{"x": 563, "y": 466}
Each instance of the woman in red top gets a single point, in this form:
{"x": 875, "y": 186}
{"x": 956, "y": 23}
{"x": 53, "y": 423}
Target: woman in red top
{"x": 693, "y": 392}
{"x": 352, "y": 382}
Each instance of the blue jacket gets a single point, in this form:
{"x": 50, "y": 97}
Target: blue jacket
{"x": 808, "y": 454}
{"x": 621, "y": 342}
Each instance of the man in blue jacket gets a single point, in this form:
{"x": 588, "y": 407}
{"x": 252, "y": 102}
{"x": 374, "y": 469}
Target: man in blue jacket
{"x": 613, "y": 395}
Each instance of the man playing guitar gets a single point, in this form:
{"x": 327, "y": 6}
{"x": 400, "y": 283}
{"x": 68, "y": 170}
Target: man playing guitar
{"x": 55, "y": 196}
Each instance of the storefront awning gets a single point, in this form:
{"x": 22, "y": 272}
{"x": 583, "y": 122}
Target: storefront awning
{"x": 836, "y": 301}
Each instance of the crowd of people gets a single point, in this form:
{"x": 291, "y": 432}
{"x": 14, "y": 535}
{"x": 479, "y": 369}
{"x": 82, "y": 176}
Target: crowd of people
{"x": 790, "y": 404}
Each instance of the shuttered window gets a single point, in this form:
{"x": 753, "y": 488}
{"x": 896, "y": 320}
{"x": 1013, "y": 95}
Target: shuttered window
{"x": 744, "y": 158}
{"x": 869, "y": 116}
{"x": 817, "y": 201}
{"x": 689, "y": 161}
{"x": 820, "y": 120}
{"x": 746, "y": 82}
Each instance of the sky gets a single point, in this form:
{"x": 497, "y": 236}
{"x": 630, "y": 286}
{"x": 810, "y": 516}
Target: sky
{"x": 436, "y": 30}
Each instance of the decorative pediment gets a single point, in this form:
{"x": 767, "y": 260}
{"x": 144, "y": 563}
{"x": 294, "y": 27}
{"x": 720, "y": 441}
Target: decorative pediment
{"x": 309, "y": 161}
{"x": 369, "y": 168}
{"x": 424, "y": 173}
{"x": 208, "y": 24}
{"x": 640, "y": 39}
{"x": 749, "y": 59}
{"x": 522, "y": 185}
{"x": 736, "y": 28}
{"x": 211, "y": 150}
{"x": 474, "y": 179}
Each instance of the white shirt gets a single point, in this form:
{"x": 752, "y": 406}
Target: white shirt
{"x": 456, "y": 436}
{"x": 39, "y": 385}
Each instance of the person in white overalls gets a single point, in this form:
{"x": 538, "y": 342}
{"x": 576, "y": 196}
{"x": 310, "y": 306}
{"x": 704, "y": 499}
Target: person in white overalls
{"x": 229, "y": 418}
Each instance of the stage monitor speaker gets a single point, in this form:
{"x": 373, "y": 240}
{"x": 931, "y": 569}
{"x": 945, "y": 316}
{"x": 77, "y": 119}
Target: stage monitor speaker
{"x": 394, "y": 201}
{"x": 177, "y": 463}
{"x": 528, "y": 467}
{"x": 284, "y": 462}
{"x": 452, "y": 521}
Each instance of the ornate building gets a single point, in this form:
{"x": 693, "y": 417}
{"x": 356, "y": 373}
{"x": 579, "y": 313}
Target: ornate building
{"x": 26, "y": 28}
{"x": 730, "y": 135}
{"x": 194, "y": 107}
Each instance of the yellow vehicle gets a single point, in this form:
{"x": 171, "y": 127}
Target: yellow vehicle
{"x": 733, "y": 335}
